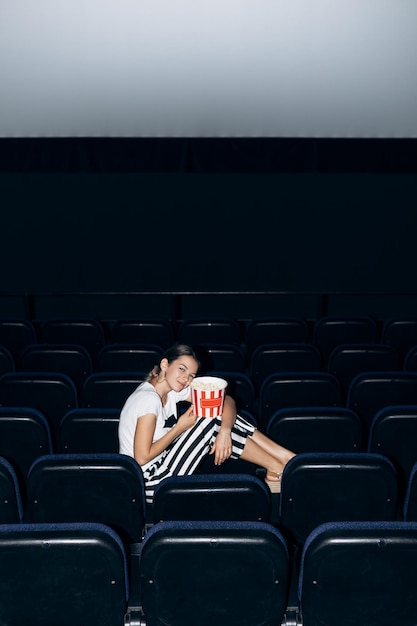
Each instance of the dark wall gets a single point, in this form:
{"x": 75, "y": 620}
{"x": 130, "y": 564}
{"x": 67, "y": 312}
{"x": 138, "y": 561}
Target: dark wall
{"x": 115, "y": 231}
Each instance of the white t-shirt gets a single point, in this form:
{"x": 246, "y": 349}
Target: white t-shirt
{"x": 142, "y": 401}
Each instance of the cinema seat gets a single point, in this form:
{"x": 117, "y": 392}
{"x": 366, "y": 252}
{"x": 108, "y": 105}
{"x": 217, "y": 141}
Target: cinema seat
{"x": 317, "y": 429}
{"x": 296, "y": 389}
{"x": 62, "y": 574}
{"x": 25, "y": 435}
{"x": 11, "y": 505}
{"x": 86, "y": 431}
{"x": 359, "y": 573}
{"x": 205, "y": 573}
{"x": 51, "y": 393}
{"x": 236, "y": 497}
{"x": 327, "y": 487}
{"x": 104, "y": 488}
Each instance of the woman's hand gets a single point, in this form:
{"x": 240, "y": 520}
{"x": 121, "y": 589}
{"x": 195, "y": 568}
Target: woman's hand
{"x": 186, "y": 420}
{"x": 222, "y": 447}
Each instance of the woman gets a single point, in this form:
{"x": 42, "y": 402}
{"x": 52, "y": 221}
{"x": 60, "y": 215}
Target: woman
{"x": 165, "y": 445}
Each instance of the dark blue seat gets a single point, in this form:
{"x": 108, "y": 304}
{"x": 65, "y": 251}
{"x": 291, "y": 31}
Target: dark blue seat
{"x": 207, "y": 331}
{"x": 400, "y": 332}
{"x": 410, "y": 499}
{"x": 370, "y": 392}
{"x": 393, "y": 432}
{"x": 11, "y": 505}
{"x": 348, "y": 360}
{"x": 359, "y": 573}
{"x": 85, "y": 431}
{"x": 6, "y": 361}
{"x": 16, "y": 335}
{"x": 109, "y": 390}
{"x": 237, "y": 497}
{"x": 296, "y": 389}
{"x": 222, "y": 357}
{"x": 317, "y": 429}
{"x": 327, "y": 487}
{"x": 410, "y": 360}
{"x": 66, "y": 574}
{"x": 104, "y": 488}
{"x": 25, "y": 435}
{"x": 205, "y": 573}
{"x": 330, "y": 331}
{"x": 154, "y": 331}
{"x": 82, "y": 331}
{"x": 119, "y": 357}
{"x": 51, "y": 393}
{"x": 284, "y": 357}
{"x": 270, "y": 330}
{"x": 70, "y": 359}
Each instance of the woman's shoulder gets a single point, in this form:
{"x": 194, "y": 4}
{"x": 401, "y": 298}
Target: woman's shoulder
{"x": 145, "y": 395}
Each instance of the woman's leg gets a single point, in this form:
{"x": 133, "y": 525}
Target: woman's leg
{"x": 263, "y": 451}
{"x": 275, "y": 449}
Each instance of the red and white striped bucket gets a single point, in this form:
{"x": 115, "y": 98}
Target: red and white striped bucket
{"x": 208, "y": 393}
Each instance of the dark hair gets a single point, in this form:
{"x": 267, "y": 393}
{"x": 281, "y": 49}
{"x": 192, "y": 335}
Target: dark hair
{"x": 172, "y": 354}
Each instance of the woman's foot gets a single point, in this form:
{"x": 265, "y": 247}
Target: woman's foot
{"x": 273, "y": 480}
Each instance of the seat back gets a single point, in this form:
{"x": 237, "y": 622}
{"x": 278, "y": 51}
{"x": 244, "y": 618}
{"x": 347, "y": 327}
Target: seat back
{"x": 410, "y": 499}
{"x": 6, "y": 361}
{"x": 86, "y": 332}
{"x": 51, "y": 393}
{"x": 224, "y": 357}
{"x": 296, "y": 389}
{"x": 104, "y": 488}
{"x": 25, "y": 435}
{"x": 158, "y": 332}
{"x": 11, "y": 506}
{"x": 346, "y": 361}
{"x": 393, "y": 433}
{"x": 269, "y": 330}
{"x": 87, "y": 431}
{"x": 236, "y": 497}
{"x": 410, "y": 360}
{"x": 318, "y": 429}
{"x": 400, "y": 332}
{"x": 223, "y": 573}
{"x": 62, "y": 574}
{"x": 16, "y": 335}
{"x": 332, "y": 330}
{"x": 326, "y": 487}
{"x": 109, "y": 390}
{"x": 370, "y": 392}
{"x": 72, "y": 360}
{"x": 286, "y": 357}
{"x": 120, "y": 357}
{"x": 359, "y": 573}
{"x": 205, "y": 331}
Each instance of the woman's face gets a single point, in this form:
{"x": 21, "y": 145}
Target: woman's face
{"x": 181, "y": 372}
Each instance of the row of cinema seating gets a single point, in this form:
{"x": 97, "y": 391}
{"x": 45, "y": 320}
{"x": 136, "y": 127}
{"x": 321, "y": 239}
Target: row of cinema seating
{"x": 230, "y": 573}
{"x": 324, "y": 334}
{"x": 316, "y": 488}
{"x": 303, "y": 413}
{"x": 207, "y": 551}
{"x": 281, "y": 567}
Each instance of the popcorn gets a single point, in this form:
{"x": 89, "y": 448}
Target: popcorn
{"x": 208, "y": 393}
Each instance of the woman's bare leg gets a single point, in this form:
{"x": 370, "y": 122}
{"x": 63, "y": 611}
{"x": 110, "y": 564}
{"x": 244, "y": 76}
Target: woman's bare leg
{"x": 274, "y": 449}
{"x": 262, "y": 451}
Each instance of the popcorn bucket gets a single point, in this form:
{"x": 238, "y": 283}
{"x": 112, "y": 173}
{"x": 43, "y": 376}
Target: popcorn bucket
{"x": 208, "y": 393}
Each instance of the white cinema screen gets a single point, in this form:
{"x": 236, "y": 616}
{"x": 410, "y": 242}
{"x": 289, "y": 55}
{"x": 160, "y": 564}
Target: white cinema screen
{"x": 199, "y": 68}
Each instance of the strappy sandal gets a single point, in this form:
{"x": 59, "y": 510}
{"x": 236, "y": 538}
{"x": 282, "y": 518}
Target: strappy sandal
{"x": 275, "y": 484}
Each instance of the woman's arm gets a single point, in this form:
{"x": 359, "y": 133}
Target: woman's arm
{"x": 222, "y": 447}
{"x": 144, "y": 448}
